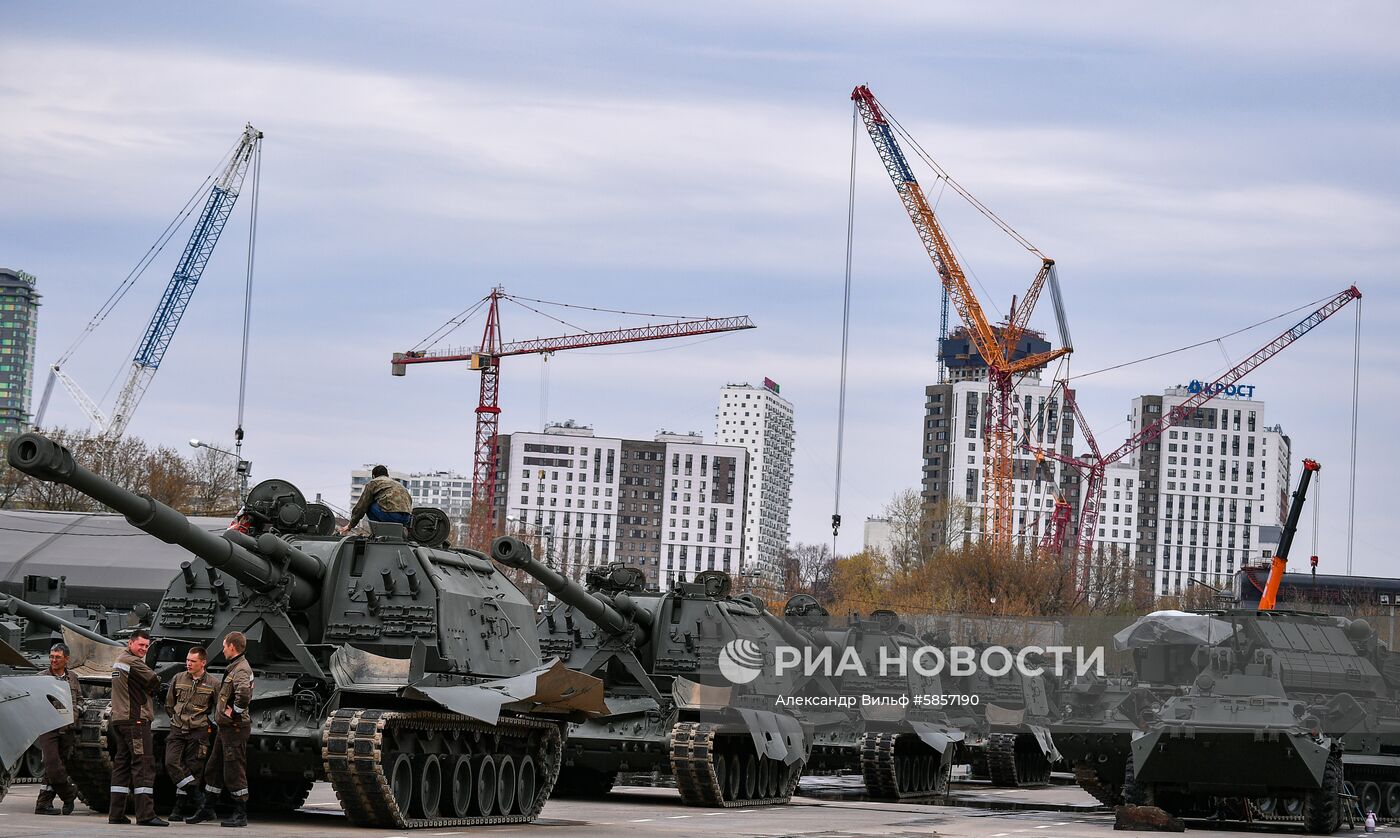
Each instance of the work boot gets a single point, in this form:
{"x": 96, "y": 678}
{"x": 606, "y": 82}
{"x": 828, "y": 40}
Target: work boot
{"x": 45, "y": 809}
{"x": 178, "y": 812}
{"x": 116, "y": 812}
{"x": 205, "y": 812}
{"x": 156, "y": 821}
{"x": 239, "y": 816}
{"x": 194, "y": 801}
{"x": 68, "y": 806}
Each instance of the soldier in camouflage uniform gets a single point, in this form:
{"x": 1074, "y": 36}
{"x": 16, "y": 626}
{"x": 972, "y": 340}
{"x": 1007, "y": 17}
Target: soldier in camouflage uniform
{"x": 189, "y": 702}
{"x": 133, "y": 685}
{"x": 228, "y": 764}
{"x": 57, "y": 745}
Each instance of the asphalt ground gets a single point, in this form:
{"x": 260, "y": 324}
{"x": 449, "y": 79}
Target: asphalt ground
{"x": 635, "y": 812}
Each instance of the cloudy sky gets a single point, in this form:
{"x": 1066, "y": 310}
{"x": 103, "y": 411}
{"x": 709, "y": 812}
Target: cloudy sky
{"x": 1193, "y": 168}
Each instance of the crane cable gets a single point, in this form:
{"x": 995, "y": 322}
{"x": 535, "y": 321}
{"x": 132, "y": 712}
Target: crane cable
{"x": 247, "y": 316}
{"x": 1355, "y": 404}
{"x": 845, "y": 333}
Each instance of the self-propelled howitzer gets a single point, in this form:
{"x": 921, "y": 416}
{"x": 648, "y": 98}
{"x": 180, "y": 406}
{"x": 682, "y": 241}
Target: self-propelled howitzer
{"x": 424, "y": 656}
{"x": 690, "y": 688}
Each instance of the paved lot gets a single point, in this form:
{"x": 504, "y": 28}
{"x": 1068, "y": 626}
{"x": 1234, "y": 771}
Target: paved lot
{"x": 632, "y": 812}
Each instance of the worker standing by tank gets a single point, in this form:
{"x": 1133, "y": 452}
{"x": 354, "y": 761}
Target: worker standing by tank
{"x": 383, "y": 499}
{"x": 57, "y": 745}
{"x": 228, "y": 762}
{"x": 134, "y": 768}
{"x": 189, "y": 701}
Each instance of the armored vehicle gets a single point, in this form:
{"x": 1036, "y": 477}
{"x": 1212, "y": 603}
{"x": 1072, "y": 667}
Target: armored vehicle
{"x": 31, "y": 704}
{"x": 1009, "y": 741}
{"x": 406, "y": 674}
{"x": 896, "y": 731}
{"x": 1100, "y": 715}
{"x": 1286, "y": 709}
{"x": 685, "y": 684}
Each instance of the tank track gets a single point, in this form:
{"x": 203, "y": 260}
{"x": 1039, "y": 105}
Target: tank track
{"x": 1010, "y": 769}
{"x": 276, "y": 796}
{"x": 704, "y": 782}
{"x": 355, "y": 749}
{"x": 7, "y": 778}
{"x": 90, "y": 770}
{"x": 890, "y": 775}
{"x": 1088, "y": 779}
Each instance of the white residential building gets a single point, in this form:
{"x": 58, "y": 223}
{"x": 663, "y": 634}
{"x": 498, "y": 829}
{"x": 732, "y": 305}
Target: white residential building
{"x": 760, "y": 421}
{"x": 1208, "y": 486}
{"x": 672, "y": 505}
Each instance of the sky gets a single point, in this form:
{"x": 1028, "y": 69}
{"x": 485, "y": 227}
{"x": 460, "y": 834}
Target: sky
{"x": 1193, "y": 168}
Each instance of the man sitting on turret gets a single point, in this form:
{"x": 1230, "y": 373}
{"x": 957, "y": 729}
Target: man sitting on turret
{"x": 384, "y": 499}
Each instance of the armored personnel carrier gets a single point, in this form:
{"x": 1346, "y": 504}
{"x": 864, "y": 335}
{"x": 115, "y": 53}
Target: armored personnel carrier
{"x": 1287, "y": 708}
{"x": 901, "y": 741}
{"x": 686, "y": 687}
{"x": 406, "y": 674}
{"x": 1100, "y": 715}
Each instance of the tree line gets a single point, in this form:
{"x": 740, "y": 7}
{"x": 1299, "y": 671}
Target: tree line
{"x": 204, "y": 482}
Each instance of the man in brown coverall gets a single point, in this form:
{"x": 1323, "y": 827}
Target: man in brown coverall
{"x": 57, "y": 745}
{"x": 133, "y": 685}
{"x": 228, "y": 764}
{"x": 189, "y": 702}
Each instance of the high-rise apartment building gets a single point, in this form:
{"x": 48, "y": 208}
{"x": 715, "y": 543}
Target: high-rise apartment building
{"x": 1207, "y": 487}
{"x": 19, "y": 312}
{"x": 672, "y": 505}
{"x": 446, "y": 490}
{"x": 954, "y": 447}
{"x": 760, "y": 420}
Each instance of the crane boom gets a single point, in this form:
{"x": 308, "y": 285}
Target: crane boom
{"x": 997, "y": 351}
{"x": 166, "y": 319}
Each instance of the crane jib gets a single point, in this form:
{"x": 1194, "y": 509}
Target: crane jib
{"x": 896, "y": 155}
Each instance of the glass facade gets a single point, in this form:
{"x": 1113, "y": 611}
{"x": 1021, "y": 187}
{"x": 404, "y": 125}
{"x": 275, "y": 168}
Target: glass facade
{"x": 19, "y": 305}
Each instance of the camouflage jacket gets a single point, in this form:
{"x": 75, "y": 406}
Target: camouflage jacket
{"x": 385, "y": 491}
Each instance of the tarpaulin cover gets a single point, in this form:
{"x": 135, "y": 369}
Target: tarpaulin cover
{"x": 1173, "y": 627}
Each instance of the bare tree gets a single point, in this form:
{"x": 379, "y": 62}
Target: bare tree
{"x": 213, "y": 483}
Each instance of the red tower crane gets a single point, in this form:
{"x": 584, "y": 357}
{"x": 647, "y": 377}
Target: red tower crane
{"x": 486, "y": 358}
{"x": 1096, "y": 466}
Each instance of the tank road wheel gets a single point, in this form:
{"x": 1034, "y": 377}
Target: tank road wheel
{"x": 486, "y": 786}
{"x": 1390, "y": 799}
{"x": 1322, "y": 808}
{"x": 526, "y": 782}
{"x": 401, "y": 781}
{"x": 505, "y": 785}
{"x": 722, "y": 775}
{"x": 1370, "y": 795}
{"x": 1290, "y": 807}
{"x": 462, "y": 786}
{"x": 736, "y": 777}
{"x": 429, "y": 786}
{"x": 1266, "y": 806}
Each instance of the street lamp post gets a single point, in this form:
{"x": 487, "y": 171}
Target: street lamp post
{"x": 244, "y": 469}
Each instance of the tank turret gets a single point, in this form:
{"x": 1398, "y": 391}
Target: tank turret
{"x": 435, "y": 643}
{"x": 617, "y": 614}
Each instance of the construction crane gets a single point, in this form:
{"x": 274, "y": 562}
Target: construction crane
{"x": 1279, "y": 565}
{"x": 486, "y": 359}
{"x": 166, "y": 319}
{"x": 1095, "y": 466}
{"x": 996, "y": 344}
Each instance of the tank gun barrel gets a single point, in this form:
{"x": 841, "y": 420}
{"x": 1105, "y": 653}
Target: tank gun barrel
{"x": 44, "y": 459}
{"x": 35, "y": 614}
{"x": 514, "y": 553}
